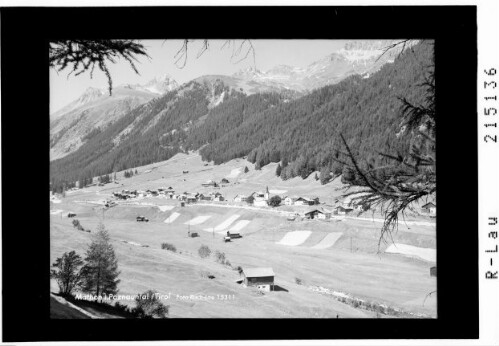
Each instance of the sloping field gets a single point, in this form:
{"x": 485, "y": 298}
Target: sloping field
{"x": 347, "y": 261}
{"x": 328, "y": 241}
{"x": 227, "y": 223}
{"x": 197, "y": 220}
{"x": 294, "y": 238}
{"x": 239, "y": 225}
{"x": 234, "y": 173}
{"x": 172, "y": 217}
{"x": 426, "y": 254}
{"x": 165, "y": 207}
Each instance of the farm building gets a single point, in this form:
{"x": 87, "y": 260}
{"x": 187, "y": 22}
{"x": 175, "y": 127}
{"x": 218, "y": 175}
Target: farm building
{"x": 290, "y": 200}
{"x": 304, "y": 201}
{"x": 209, "y": 183}
{"x": 342, "y": 210}
{"x": 262, "y": 278}
{"x": 315, "y": 214}
{"x": 240, "y": 198}
{"x": 191, "y": 199}
{"x": 202, "y": 197}
{"x": 218, "y": 198}
{"x": 429, "y": 208}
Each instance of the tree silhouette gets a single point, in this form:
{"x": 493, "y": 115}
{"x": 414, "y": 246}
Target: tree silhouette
{"x": 67, "y": 272}
{"x": 394, "y": 187}
{"x": 84, "y": 55}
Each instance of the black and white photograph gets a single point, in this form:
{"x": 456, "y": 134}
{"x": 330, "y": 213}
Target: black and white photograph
{"x": 249, "y": 174}
{"x": 243, "y": 179}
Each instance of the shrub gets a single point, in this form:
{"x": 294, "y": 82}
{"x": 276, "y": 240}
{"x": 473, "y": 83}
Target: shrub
{"x": 220, "y": 257}
{"x": 239, "y": 270}
{"x": 149, "y": 306}
{"x": 298, "y": 281}
{"x": 204, "y": 251}
{"x": 207, "y": 275}
{"x": 76, "y": 223}
{"x": 275, "y": 201}
{"x": 168, "y": 246}
{"x": 227, "y": 263}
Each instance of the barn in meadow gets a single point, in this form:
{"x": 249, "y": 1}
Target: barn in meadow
{"x": 261, "y": 278}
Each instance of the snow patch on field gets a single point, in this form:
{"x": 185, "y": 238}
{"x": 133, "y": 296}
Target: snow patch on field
{"x": 278, "y": 191}
{"x": 227, "y": 223}
{"x": 295, "y": 238}
{"x": 328, "y": 241}
{"x": 56, "y": 211}
{"x": 172, "y": 218}
{"x": 413, "y": 251}
{"x": 198, "y": 220}
{"x": 165, "y": 207}
{"x": 239, "y": 225}
{"x": 234, "y": 173}
{"x": 55, "y": 200}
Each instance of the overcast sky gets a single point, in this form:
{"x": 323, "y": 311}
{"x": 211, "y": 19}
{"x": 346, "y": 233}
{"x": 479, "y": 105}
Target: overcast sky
{"x": 269, "y": 53}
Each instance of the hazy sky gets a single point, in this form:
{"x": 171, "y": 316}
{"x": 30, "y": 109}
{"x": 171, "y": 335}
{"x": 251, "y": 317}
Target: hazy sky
{"x": 269, "y": 53}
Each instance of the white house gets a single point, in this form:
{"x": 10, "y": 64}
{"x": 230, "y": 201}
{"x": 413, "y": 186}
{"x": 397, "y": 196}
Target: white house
{"x": 240, "y": 198}
{"x": 260, "y": 203}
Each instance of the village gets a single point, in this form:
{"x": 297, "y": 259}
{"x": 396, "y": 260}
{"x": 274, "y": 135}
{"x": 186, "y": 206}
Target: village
{"x": 275, "y": 234}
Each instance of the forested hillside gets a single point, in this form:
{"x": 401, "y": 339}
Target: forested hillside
{"x": 302, "y": 134}
{"x": 151, "y": 132}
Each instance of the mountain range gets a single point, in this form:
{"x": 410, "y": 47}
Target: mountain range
{"x": 99, "y": 134}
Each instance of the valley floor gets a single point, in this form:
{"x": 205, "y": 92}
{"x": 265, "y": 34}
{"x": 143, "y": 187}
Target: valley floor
{"x": 339, "y": 255}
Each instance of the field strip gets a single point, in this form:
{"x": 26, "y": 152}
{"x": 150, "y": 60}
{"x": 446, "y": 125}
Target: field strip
{"x": 197, "y": 220}
{"x": 172, "y": 218}
{"x": 413, "y": 251}
{"x": 56, "y": 211}
{"x": 227, "y": 223}
{"x": 246, "y": 207}
{"x": 165, "y": 207}
{"x": 328, "y": 241}
{"x": 234, "y": 173}
{"x": 295, "y": 238}
{"x": 414, "y": 223}
{"x": 239, "y": 225}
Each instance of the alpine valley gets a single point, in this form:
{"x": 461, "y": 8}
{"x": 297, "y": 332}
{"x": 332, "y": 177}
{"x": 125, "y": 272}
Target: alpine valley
{"x": 287, "y": 114}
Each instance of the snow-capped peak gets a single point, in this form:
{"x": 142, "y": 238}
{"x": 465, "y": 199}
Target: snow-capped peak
{"x": 160, "y": 85}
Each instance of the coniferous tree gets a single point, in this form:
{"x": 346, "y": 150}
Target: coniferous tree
{"x": 325, "y": 175}
{"x": 100, "y": 272}
{"x": 278, "y": 170}
{"x": 246, "y": 170}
